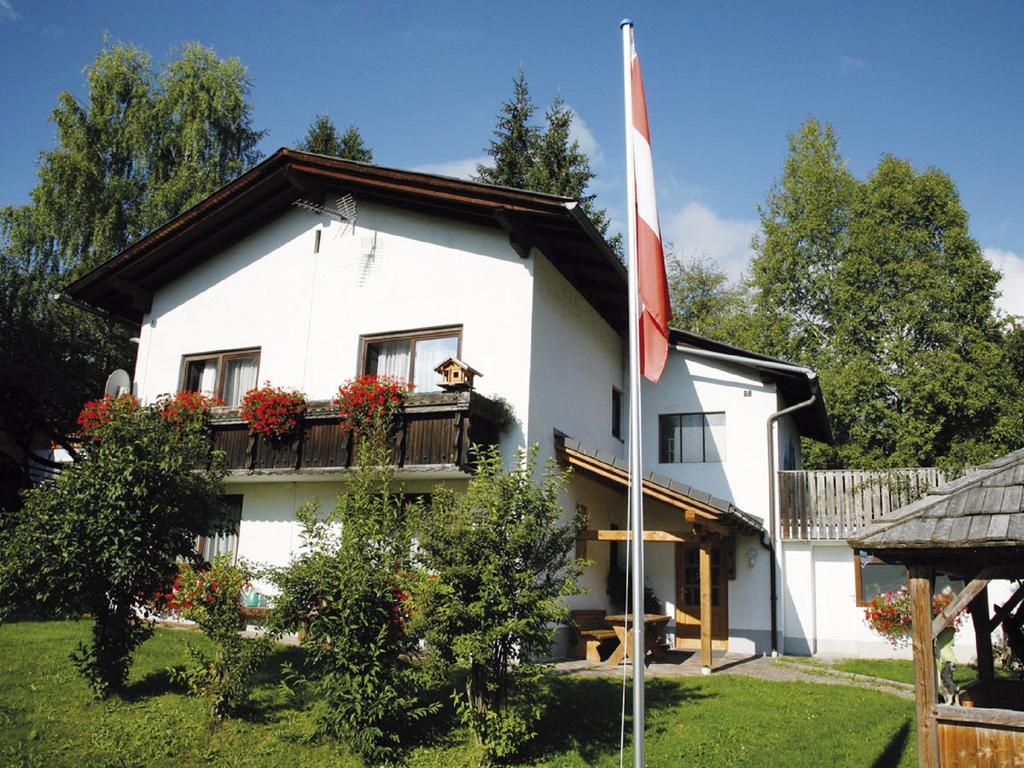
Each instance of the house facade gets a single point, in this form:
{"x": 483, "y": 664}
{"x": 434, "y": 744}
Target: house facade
{"x": 308, "y": 271}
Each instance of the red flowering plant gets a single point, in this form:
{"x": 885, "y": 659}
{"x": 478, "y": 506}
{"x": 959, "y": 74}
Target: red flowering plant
{"x": 273, "y": 412}
{"x": 186, "y": 407}
{"x": 96, "y": 414}
{"x": 212, "y": 597}
{"x": 889, "y": 614}
{"x": 366, "y": 400}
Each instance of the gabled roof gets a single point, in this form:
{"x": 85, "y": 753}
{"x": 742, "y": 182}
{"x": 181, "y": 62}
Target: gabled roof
{"x": 793, "y": 386}
{"x": 123, "y": 285}
{"x": 976, "y": 520}
{"x": 700, "y": 506}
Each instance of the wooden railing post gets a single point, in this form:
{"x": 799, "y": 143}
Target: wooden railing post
{"x": 925, "y": 683}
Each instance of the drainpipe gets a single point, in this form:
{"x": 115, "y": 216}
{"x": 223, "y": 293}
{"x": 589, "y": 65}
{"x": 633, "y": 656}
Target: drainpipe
{"x": 771, "y": 510}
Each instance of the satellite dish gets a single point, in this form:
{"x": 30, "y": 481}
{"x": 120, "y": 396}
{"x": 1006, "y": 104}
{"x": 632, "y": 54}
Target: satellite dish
{"x": 118, "y": 383}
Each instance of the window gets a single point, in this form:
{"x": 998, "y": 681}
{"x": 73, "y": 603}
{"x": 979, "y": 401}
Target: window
{"x": 616, "y": 413}
{"x": 227, "y": 375}
{"x": 411, "y": 356}
{"x": 224, "y": 541}
{"x": 691, "y": 437}
{"x": 872, "y": 577}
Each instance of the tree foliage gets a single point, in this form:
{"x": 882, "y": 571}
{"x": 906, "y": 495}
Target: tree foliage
{"x": 503, "y": 561}
{"x": 103, "y": 537}
{"x": 349, "y": 596}
{"x": 145, "y": 144}
{"x": 704, "y": 300}
{"x": 879, "y": 286}
{"x": 323, "y": 138}
{"x": 527, "y": 156}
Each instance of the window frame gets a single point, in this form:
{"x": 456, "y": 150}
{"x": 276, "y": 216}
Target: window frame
{"x": 201, "y": 540}
{"x": 221, "y": 356}
{"x": 858, "y": 572}
{"x": 662, "y": 459}
{"x": 413, "y": 335}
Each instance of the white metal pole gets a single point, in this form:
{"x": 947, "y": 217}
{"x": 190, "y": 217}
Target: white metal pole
{"x": 635, "y": 454}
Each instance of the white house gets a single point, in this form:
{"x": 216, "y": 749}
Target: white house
{"x": 309, "y": 270}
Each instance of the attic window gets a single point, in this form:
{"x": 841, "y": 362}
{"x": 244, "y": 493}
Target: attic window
{"x": 411, "y": 355}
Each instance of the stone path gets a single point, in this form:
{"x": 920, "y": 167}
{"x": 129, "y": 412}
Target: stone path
{"x": 793, "y": 668}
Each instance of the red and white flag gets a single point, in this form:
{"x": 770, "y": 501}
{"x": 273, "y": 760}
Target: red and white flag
{"x": 655, "y": 311}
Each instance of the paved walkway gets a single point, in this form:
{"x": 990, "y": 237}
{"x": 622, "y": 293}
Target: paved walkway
{"x": 792, "y": 668}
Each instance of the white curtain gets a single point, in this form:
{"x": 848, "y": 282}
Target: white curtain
{"x": 239, "y": 378}
{"x": 392, "y": 359}
{"x": 208, "y": 376}
{"x": 220, "y": 544}
{"x": 429, "y": 354}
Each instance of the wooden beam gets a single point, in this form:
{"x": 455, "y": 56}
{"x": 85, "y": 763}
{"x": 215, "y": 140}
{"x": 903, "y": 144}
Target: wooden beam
{"x": 708, "y": 525}
{"x": 925, "y": 683}
{"x": 705, "y": 606}
{"x": 982, "y": 635}
{"x": 141, "y": 298}
{"x": 961, "y": 601}
{"x": 1005, "y": 610}
{"x": 614, "y": 534}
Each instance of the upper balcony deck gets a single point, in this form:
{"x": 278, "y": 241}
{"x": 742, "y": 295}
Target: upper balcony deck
{"x": 435, "y": 431}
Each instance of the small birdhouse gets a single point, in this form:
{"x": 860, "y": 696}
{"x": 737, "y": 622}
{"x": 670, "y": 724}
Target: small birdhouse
{"x": 456, "y": 375}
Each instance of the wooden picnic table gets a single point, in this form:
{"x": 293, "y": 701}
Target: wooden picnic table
{"x": 622, "y": 624}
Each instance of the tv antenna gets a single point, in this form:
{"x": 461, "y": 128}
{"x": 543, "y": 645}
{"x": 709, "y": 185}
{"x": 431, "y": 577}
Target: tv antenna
{"x": 344, "y": 210}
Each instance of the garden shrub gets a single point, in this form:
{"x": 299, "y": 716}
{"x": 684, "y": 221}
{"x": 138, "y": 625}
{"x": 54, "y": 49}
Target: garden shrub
{"x": 211, "y": 597}
{"x": 503, "y": 562}
{"x": 889, "y": 614}
{"x": 348, "y": 597}
{"x": 103, "y": 537}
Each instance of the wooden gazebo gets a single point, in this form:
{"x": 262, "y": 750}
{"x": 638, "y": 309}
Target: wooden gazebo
{"x": 971, "y": 529}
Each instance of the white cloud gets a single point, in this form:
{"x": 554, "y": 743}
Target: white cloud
{"x": 7, "y": 12}
{"x": 696, "y": 229}
{"x": 579, "y": 131}
{"x": 851, "y": 64}
{"x": 458, "y": 169}
{"x": 1012, "y": 284}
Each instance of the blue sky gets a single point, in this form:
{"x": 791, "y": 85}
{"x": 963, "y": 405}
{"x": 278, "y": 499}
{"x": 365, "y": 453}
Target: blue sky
{"x": 938, "y": 83}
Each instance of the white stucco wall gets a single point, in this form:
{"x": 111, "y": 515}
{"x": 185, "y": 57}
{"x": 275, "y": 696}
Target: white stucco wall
{"x": 695, "y": 386}
{"x": 306, "y": 311}
{"x": 577, "y": 358}
{"x": 822, "y": 616}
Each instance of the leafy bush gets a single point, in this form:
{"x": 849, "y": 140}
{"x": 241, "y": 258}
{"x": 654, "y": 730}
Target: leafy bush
{"x": 502, "y": 559}
{"x": 212, "y": 599}
{"x": 103, "y": 537}
{"x": 348, "y": 597}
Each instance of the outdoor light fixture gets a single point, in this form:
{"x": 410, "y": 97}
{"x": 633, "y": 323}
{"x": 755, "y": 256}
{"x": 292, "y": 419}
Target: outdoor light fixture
{"x": 751, "y": 557}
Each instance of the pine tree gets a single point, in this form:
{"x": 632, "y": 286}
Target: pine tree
{"x": 514, "y": 145}
{"x": 323, "y": 138}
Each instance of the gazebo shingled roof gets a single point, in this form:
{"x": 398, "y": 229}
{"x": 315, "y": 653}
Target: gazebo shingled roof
{"x": 960, "y": 527}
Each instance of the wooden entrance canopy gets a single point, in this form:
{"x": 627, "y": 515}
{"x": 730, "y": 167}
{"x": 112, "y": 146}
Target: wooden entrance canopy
{"x": 971, "y": 528}
{"x": 709, "y": 518}
{"x": 699, "y": 508}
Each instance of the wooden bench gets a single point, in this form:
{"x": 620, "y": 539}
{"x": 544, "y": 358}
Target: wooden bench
{"x": 590, "y": 630}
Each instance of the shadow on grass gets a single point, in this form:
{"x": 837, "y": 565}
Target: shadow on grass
{"x": 156, "y": 683}
{"x": 583, "y": 715}
{"x": 894, "y": 749}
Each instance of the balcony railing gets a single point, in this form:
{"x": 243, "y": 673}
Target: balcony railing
{"x": 434, "y": 431}
{"x": 834, "y": 504}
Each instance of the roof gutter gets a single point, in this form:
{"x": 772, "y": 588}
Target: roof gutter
{"x": 744, "y": 360}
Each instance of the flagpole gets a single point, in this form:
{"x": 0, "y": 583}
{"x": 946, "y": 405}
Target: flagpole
{"x": 635, "y": 457}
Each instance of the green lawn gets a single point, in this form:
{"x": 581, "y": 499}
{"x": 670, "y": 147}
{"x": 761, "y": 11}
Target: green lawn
{"x": 902, "y": 670}
{"x": 47, "y": 719}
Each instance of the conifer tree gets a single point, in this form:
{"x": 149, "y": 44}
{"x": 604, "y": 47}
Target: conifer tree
{"x": 514, "y": 145}
{"x": 323, "y": 138}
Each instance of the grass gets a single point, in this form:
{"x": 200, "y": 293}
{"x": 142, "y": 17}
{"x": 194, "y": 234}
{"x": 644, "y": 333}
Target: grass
{"x": 902, "y": 670}
{"x": 48, "y": 719}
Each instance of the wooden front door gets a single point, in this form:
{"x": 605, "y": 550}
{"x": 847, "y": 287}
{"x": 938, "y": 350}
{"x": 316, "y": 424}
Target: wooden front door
{"x": 688, "y": 616}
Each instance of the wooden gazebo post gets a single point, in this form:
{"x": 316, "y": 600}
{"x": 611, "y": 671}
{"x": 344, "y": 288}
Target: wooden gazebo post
{"x": 925, "y": 690}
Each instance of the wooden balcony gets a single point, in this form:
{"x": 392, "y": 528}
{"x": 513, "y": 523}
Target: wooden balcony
{"x": 435, "y": 431}
{"x": 834, "y": 504}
